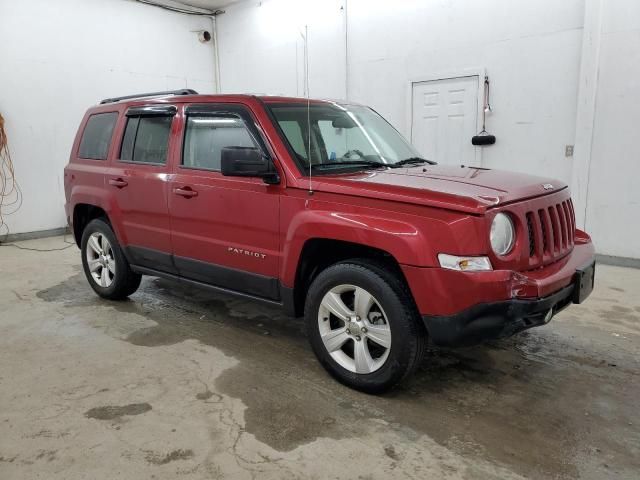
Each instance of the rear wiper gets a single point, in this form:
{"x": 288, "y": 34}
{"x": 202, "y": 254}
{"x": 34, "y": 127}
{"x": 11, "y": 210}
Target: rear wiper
{"x": 349, "y": 163}
{"x": 412, "y": 161}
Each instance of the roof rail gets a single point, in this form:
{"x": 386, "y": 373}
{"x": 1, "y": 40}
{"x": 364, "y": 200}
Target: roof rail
{"x": 184, "y": 91}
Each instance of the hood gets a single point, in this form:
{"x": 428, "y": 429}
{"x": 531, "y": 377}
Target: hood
{"x": 466, "y": 189}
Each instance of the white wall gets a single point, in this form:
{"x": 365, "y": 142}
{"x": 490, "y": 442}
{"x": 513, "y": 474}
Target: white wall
{"x": 58, "y": 58}
{"x": 261, "y": 47}
{"x": 613, "y": 194}
{"x": 530, "y": 50}
{"x": 562, "y": 73}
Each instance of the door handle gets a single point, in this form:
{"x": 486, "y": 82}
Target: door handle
{"x": 118, "y": 182}
{"x": 185, "y": 192}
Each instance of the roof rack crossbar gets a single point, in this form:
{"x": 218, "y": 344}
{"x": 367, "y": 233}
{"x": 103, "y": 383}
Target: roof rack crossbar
{"x": 184, "y": 91}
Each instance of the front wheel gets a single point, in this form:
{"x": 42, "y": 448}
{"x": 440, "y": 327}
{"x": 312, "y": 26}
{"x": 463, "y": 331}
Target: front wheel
{"x": 363, "y": 325}
{"x": 105, "y": 266}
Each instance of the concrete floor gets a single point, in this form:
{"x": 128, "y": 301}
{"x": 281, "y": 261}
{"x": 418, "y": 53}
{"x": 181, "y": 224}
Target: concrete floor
{"x": 179, "y": 382}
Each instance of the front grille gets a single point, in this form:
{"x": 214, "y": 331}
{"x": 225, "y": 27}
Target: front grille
{"x": 551, "y": 231}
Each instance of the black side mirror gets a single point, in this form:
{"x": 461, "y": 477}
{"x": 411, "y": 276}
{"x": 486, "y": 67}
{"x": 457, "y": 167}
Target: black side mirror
{"x": 247, "y": 162}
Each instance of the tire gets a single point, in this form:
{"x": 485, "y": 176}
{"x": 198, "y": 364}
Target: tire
{"x": 393, "y": 335}
{"x": 111, "y": 277}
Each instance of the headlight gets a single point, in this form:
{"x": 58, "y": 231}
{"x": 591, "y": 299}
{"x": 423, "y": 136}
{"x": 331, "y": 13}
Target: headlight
{"x": 502, "y": 234}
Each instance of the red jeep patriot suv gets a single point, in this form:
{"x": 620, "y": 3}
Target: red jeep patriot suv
{"x": 324, "y": 208}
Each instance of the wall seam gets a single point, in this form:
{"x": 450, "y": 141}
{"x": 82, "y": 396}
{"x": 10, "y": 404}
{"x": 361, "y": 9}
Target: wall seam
{"x": 593, "y": 120}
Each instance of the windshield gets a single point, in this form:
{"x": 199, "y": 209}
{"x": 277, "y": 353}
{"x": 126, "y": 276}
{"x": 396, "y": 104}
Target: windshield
{"x": 342, "y": 137}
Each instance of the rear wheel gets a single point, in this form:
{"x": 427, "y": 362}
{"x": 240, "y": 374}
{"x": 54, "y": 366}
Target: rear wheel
{"x": 363, "y": 325}
{"x": 105, "y": 266}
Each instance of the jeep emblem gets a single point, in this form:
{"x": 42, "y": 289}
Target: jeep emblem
{"x": 547, "y": 186}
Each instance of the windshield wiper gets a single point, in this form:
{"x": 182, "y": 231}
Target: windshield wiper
{"x": 349, "y": 163}
{"x": 412, "y": 161}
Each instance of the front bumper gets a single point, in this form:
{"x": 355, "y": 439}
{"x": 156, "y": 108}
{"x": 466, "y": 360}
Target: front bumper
{"x": 463, "y": 308}
{"x": 495, "y": 320}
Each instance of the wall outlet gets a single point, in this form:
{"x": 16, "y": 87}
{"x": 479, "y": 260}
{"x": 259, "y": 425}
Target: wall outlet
{"x": 568, "y": 150}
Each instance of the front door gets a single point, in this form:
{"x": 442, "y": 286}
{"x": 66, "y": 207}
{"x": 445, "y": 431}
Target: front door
{"x": 444, "y": 119}
{"x": 224, "y": 229}
{"x": 138, "y": 180}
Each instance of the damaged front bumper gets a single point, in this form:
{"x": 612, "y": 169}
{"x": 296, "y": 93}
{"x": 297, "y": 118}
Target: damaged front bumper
{"x": 495, "y": 320}
{"x": 465, "y": 308}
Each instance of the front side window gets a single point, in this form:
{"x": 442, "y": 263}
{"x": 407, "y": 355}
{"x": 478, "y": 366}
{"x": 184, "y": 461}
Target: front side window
{"x": 96, "y": 137}
{"x": 330, "y": 136}
{"x": 146, "y": 139}
{"x": 206, "y": 136}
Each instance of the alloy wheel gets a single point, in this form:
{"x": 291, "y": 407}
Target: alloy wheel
{"x": 354, "y": 329}
{"x": 100, "y": 260}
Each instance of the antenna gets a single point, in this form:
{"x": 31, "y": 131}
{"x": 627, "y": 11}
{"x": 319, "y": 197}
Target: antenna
{"x": 306, "y": 88}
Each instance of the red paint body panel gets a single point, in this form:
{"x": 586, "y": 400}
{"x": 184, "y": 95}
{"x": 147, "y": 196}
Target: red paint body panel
{"x": 413, "y": 214}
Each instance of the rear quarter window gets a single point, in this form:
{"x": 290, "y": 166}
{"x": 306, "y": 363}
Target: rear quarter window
{"x": 96, "y": 137}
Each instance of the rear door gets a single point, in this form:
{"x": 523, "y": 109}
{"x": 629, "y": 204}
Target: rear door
{"x": 224, "y": 229}
{"x": 138, "y": 180}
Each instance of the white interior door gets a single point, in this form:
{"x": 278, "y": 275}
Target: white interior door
{"x": 444, "y": 118}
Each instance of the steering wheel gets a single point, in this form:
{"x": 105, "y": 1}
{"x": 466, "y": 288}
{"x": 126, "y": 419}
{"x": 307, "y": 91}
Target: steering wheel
{"x": 353, "y": 152}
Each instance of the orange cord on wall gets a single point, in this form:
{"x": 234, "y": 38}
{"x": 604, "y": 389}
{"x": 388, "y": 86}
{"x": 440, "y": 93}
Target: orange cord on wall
{"x": 10, "y": 193}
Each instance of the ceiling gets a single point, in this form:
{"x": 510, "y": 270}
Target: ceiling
{"x": 209, "y": 4}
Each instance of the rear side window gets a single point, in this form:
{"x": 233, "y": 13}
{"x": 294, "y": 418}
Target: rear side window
{"x": 206, "y": 136}
{"x": 96, "y": 137}
{"x": 146, "y": 139}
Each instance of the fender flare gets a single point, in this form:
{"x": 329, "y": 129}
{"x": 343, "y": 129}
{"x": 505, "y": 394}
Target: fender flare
{"x": 97, "y": 197}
